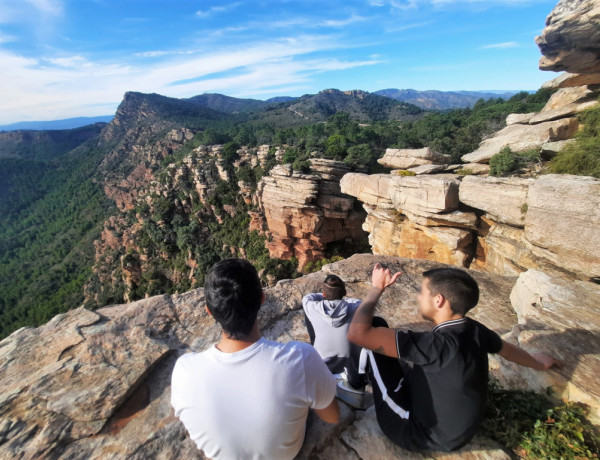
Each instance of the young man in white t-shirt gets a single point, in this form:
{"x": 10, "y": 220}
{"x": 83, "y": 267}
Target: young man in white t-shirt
{"x": 248, "y": 397}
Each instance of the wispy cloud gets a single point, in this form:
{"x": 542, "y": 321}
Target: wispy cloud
{"x": 60, "y": 87}
{"x": 216, "y": 9}
{"x": 500, "y": 46}
{"x": 342, "y": 22}
{"x": 414, "y": 25}
{"x": 50, "y": 7}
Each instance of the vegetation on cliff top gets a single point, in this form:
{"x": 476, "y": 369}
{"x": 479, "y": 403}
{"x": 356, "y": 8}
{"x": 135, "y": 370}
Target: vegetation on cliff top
{"x": 532, "y": 426}
{"x": 582, "y": 157}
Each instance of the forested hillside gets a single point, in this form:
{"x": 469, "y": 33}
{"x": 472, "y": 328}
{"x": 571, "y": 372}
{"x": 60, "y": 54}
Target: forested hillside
{"x": 55, "y": 188}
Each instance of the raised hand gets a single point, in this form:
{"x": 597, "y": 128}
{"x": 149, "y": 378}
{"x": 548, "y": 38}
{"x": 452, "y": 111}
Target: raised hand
{"x": 382, "y": 277}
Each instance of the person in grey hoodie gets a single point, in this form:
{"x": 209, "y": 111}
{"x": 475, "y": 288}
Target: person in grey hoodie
{"x": 327, "y": 316}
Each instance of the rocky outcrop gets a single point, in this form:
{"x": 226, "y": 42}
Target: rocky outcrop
{"x": 414, "y": 216}
{"x": 561, "y": 317}
{"x": 570, "y": 42}
{"x": 305, "y": 212}
{"x": 571, "y": 39}
{"x": 520, "y": 137}
{"x": 561, "y": 223}
{"x": 409, "y": 158}
{"x": 504, "y": 225}
{"x": 96, "y": 384}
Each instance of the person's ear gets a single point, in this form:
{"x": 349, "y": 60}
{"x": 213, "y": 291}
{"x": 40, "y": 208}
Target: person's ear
{"x": 439, "y": 301}
{"x": 262, "y": 297}
{"x": 324, "y": 295}
{"x": 207, "y": 310}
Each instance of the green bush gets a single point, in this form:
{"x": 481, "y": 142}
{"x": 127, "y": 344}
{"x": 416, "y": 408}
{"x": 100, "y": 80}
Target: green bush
{"x": 527, "y": 423}
{"x": 506, "y": 161}
{"x": 583, "y": 157}
{"x": 317, "y": 265}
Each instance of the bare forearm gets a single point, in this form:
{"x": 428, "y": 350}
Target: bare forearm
{"x": 519, "y": 356}
{"x": 362, "y": 321}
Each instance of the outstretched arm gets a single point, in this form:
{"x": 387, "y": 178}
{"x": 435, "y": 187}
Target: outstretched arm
{"x": 361, "y": 332}
{"x": 537, "y": 361}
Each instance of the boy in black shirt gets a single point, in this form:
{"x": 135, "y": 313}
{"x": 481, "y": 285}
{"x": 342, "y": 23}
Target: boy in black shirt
{"x": 429, "y": 388}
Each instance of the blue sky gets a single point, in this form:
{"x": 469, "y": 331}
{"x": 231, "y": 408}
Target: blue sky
{"x": 67, "y": 58}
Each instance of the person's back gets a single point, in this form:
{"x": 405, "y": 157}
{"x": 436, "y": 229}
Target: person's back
{"x": 429, "y": 388}
{"x": 248, "y": 397}
{"x": 328, "y": 316}
{"x": 449, "y": 378}
{"x": 252, "y": 403}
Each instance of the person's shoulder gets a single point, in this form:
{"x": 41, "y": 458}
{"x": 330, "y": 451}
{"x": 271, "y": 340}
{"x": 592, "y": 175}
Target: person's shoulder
{"x": 473, "y": 323}
{"x": 300, "y": 349}
{"x": 190, "y": 359}
{"x": 353, "y": 302}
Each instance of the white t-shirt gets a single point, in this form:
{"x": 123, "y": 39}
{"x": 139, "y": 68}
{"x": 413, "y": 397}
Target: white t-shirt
{"x": 251, "y": 404}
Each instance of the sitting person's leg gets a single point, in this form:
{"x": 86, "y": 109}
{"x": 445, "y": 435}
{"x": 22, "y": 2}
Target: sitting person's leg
{"x": 356, "y": 378}
{"x": 352, "y": 390}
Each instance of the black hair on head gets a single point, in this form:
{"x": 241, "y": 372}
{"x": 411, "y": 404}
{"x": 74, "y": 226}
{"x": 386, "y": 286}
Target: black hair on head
{"x": 457, "y": 286}
{"x": 233, "y": 296}
{"x": 334, "y": 288}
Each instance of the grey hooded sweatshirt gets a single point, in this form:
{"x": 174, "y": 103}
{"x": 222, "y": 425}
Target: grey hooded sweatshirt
{"x": 330, "y": 320}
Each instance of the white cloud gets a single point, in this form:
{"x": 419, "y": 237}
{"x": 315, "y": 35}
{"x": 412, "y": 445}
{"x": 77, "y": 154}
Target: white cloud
{"x": 500, "y": 46}
{"x": 6, "y": 38}
{"x": 410, "y": 26}
{"x": 50, "y": 7}
{"x": 72, "y": 85}
{"x": 342, "y": 22}
{"x": 216, "y": 9}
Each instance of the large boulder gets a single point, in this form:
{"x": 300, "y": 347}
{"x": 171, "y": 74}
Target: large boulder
{"x": 571, "y": 39}
{"x": 560, "y": 317}
{"x": 409, "y": 158}
{"x": 566, "y": 102}
{"x": 562, "y": 221}
{"x": 502, "y": 199}
{"x": 417, "y": 194}
{"x": 521, "y": 137}
{"x": 566, "y": 80}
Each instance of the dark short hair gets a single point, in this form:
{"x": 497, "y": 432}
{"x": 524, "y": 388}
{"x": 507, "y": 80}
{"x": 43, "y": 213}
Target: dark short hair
{"x": 457, "y": 286}
{"x": 334, "y": 288}
{"x": 233, "y": 296}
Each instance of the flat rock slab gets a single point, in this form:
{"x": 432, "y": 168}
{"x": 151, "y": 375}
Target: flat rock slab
{"x": 523, "y": 137}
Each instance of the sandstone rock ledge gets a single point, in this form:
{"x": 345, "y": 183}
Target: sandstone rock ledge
{"x": 96, "y": 384}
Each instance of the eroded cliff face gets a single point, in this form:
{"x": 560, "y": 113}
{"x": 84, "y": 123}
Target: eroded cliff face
{"x": 300, "y": 214}
{"x": 305, "y": 212}
{"x": 503, "y": 225}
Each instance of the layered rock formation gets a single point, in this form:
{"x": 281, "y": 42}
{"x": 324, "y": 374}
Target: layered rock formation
{"x": 414, "y": 216}
{"x": 504, "y": 225}
{"x": 305, "y": 212}
{"x": 571, "y": 39}
{"x": 570, "y": 42}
